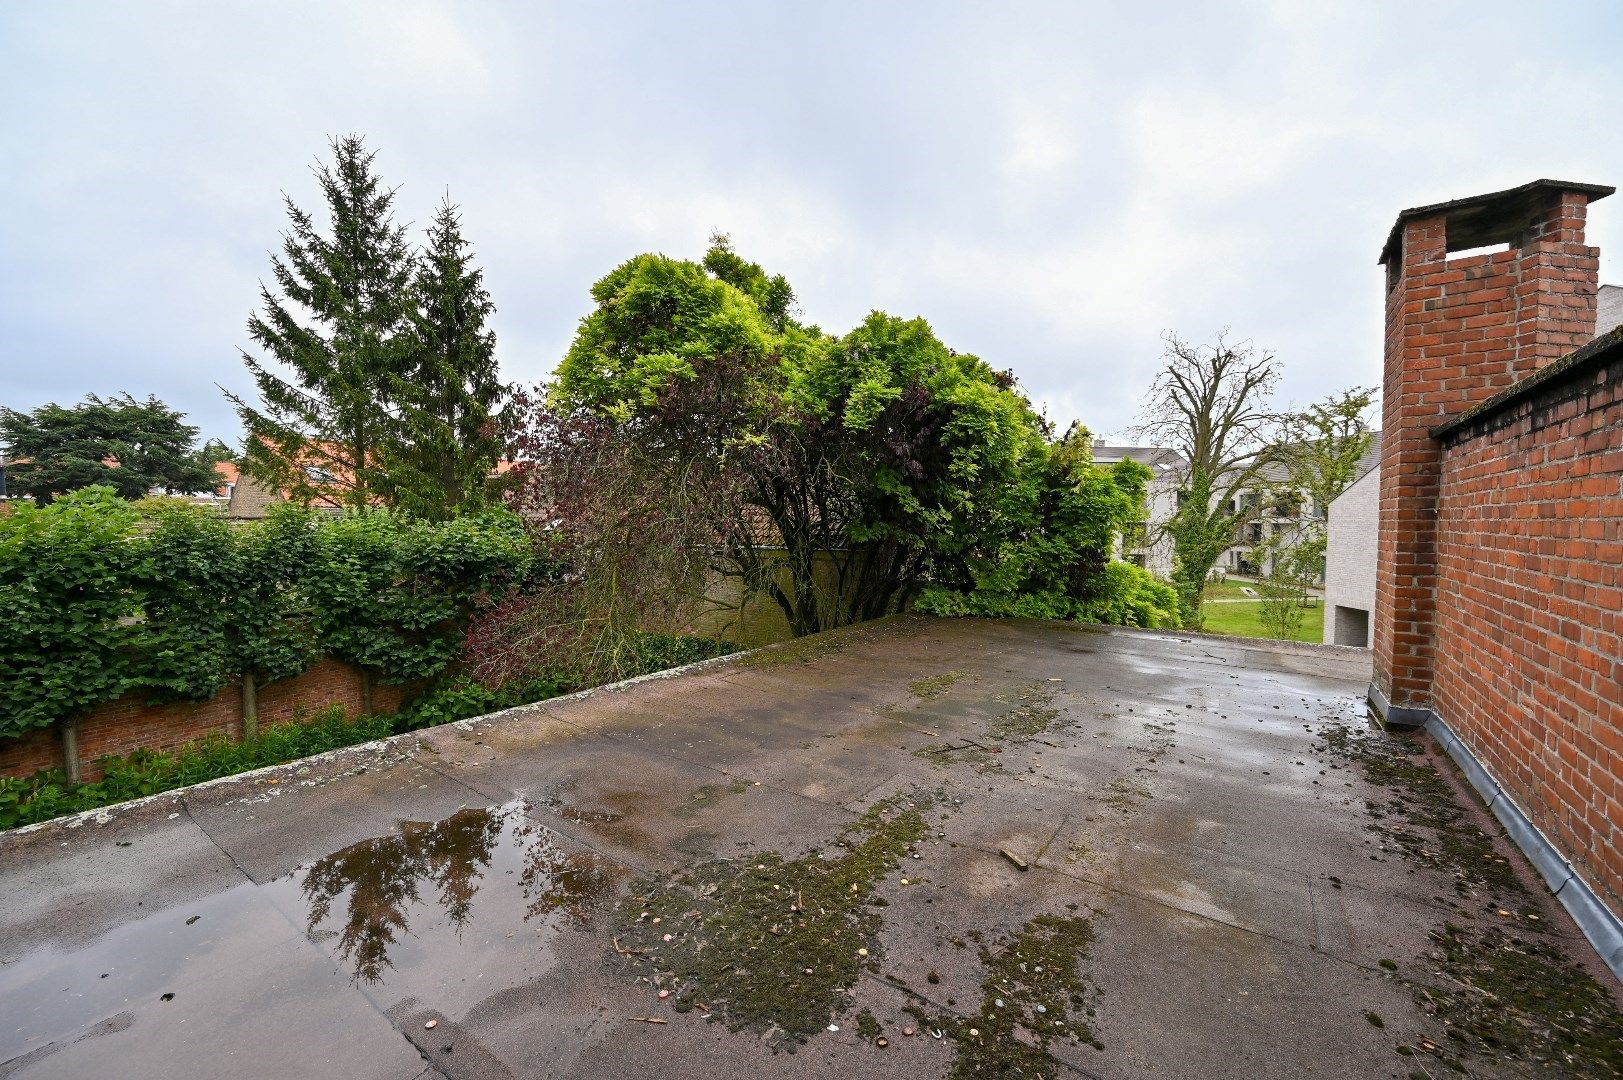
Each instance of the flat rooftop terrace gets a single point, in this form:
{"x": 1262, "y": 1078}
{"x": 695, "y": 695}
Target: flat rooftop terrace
{"x": 920, "y": 846}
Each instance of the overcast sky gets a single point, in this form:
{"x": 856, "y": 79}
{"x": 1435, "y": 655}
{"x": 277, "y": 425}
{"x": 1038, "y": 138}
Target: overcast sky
{"x": 1051, "y": 186}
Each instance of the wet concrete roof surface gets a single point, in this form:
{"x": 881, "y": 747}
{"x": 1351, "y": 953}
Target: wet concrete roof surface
{"x": 478, "y": 900}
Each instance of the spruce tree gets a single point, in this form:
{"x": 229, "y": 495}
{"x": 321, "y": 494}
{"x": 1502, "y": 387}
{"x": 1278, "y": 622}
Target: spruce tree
{"x": 338, "y": 323}
{"x": 449, "y": 428}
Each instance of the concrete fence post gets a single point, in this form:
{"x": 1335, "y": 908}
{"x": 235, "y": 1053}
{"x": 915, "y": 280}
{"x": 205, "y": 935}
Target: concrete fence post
{"x": 70, "y": 750}
{"x": 250, "y": 707}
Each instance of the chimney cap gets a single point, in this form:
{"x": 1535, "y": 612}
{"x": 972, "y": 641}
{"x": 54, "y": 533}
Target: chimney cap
{"x": 1498, "y": 216}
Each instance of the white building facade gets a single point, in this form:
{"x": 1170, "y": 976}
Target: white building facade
{"x": 1349, "y": 564}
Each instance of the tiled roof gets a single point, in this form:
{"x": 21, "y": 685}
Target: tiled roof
{"x": 1157, "y": 458}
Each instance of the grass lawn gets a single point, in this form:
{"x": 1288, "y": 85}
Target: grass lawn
{"x": 1229, "y": 589}
{"x": 1245, "y": 620}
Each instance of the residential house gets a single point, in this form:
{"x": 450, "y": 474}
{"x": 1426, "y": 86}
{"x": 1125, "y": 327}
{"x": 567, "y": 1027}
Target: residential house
{"x": 1150, "y": 546}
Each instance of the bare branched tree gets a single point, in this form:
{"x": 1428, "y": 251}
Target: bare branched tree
{"x": 1210, "y": 403}
{"x": 1319, "y": 451}
{"x": 626, "y": 532}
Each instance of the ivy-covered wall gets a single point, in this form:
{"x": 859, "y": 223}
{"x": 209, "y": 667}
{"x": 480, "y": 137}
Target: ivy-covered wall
{"x": 102, "y": 600}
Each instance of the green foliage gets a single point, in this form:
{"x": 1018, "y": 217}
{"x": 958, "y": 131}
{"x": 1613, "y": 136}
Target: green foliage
{"x": 148, "y": 772}
{"x": 394, "y": 593}
{"x": 188, "y": 569}
{"x": 67, "y": 607}
{"x": 337, "y": 324}
{"x": 99, "y": 597}
{"x": 1202, "y": 529}
{"x": 883, "y": 454}
{"x": 1320, "y": 450}
{"x": 128, "y": 445}
{"x": 1284, "y": 605}
{"x": 660, "y": 652}
{"x": 270, "y": 631}
{"x": 46, "y": 795}
{"x": 658, "y": 321}
{"x": 1053, "y": 559}
{"x": 449, "y": 429}
{"x": 461, "y": 698}
{"x": 1129, "y": 595}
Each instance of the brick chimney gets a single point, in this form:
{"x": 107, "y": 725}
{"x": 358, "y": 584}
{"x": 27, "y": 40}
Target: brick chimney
{"x": 1458, "y": 331}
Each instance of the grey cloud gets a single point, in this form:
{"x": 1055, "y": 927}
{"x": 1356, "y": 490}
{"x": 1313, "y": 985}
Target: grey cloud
{"x": 1051, "y": 185}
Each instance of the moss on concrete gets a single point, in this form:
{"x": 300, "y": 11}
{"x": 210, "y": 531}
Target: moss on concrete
{"x": 1032, "y": 714}
{"x": 769, "y": 944}
{"x": 936, "y": 685}
{"x": 1031, "y": 988}
{"x": 1423, "y": 818}
{"x": 1499, "y": 995}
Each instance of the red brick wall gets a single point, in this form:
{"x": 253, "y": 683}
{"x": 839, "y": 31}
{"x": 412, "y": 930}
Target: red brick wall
{"x": 129, "y": 723}
{"x": 1529, "y": 622}
{"x": 39, "y": 749}
{"x": 1458, "y": 331}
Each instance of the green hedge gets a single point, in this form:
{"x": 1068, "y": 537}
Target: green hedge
{"x": 99, "y": 596}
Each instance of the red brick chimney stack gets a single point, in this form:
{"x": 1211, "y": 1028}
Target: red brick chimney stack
{"x": 1458, "y": 331}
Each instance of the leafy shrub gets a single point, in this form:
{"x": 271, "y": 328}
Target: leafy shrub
{"x": 1055, "y": 563}
{"x": 659, "y": 652}
{"x": 68, "y": 607}
{"x": 99, "y": 597}
{"x": 1122, "y": 594}
{"x": 462, "y": 697}
{"x": 393, "y": 593}
{"x": 1130, "y": 596}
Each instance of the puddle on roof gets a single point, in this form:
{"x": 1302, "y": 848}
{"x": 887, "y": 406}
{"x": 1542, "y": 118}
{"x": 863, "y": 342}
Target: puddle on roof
{"x": 378, "y": 898}
{"x": 451, "y": 909}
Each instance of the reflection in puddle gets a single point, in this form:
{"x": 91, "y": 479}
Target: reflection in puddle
{"x": 431, "y": 871}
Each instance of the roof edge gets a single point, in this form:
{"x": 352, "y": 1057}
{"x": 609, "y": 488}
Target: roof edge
{"x": 1593, "y": 354}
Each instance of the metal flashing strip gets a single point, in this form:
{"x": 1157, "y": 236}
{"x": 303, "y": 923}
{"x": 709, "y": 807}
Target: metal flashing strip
{"x": 1402, "y": 716}
{"x": 1600, "y": 925}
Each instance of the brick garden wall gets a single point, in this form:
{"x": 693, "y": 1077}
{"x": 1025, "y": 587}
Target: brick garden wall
{"x": 130, "y": 723}
{"x": 1528, "y": 645}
